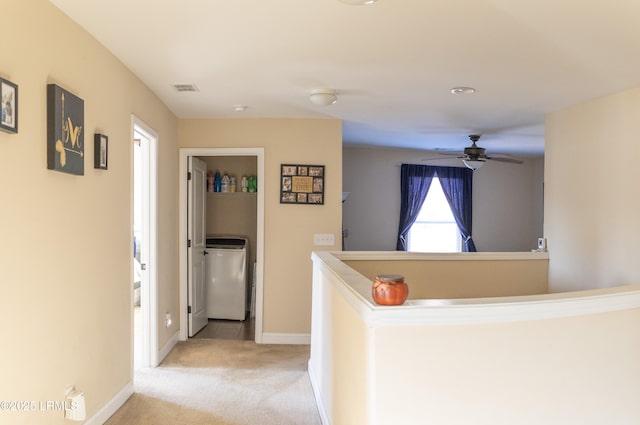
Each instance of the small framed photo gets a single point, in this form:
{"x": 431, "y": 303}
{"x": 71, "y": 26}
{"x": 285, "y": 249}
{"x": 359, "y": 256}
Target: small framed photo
{"x": 288, "y": 198}
{"x": 100, "y": 151}
{"x": 9, "y": 100}
{"x": 289, "y": 170}
{"x": 316, "y": 198}
{"x": 286, "y": 184}
{"x": 316, "y": 171}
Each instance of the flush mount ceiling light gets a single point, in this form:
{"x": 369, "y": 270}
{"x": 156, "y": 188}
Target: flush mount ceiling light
{"x": 358, "y": 2}
{"x": 240, "y": 108}
{"x": 463, "y": 90}
{"x": 323, "y": 97}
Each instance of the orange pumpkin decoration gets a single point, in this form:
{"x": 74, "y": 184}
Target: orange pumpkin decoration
{"x": 389, "y": 289}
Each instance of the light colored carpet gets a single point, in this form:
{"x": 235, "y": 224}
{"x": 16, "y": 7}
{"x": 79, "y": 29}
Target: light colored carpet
{"x": 223, "y": 382}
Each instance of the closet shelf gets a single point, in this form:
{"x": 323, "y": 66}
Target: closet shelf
{"x": 231, "y": 193}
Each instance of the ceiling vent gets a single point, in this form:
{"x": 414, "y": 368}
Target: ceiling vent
{"x": 185, "y": 87}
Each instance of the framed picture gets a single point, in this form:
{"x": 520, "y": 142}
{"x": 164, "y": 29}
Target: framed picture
{"x": 9, "y": 99}
{"x": 65, "y": 137}
{"x": 302, "y": 184}
{"x": 100, "y": 151}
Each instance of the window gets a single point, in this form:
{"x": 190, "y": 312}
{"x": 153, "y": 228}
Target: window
{"x": 435, "y": 229}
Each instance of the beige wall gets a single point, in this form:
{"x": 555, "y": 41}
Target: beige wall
{"x": 571, "y": 370}
{"x": 289, "y": 229}
{"x": 462, "y": 278}
{"x": 592, "y": 196}
{"x": 507, "y": 200}
{"x": 66, "y": 241}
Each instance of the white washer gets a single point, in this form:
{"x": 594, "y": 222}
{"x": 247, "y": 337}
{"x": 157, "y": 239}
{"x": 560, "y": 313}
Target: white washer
{"x": 226, "y": 278}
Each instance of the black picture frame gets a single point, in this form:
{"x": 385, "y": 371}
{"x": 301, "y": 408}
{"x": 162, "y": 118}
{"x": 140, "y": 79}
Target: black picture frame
{"x": 302, "y": 184}
{"x": 100, "y": 151}
{"x": 65, "y": 136}
{"x": 9, "y": 106}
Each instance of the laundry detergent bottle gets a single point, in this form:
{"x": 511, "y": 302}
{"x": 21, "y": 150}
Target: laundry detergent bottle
{"x": 217, "y": 183}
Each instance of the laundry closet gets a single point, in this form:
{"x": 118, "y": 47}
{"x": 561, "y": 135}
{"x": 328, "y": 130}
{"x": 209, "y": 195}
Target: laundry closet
{"x": 231, "y": 230}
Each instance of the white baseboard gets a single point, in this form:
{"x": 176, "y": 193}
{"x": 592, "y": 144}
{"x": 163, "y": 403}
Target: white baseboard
{"x": 112, "y": 406}
{"x": 318, "y": 396}
{"x": 166, "y": 349}
{"x": 291, "y": 339}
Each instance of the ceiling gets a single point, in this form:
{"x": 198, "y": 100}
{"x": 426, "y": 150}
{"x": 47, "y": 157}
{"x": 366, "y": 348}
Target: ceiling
{"x": 393, "y": 63}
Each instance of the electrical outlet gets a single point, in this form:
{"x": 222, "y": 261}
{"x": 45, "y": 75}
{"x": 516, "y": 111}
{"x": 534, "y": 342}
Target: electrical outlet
{"x": 323, "y": 239}
{"x": 168, "y": 320}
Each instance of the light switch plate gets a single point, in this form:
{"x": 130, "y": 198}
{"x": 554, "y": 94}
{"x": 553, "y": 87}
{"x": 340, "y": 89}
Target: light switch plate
{"x": 323, "y": 239}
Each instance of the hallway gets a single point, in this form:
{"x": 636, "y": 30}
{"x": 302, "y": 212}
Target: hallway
{"x": 228, "y": 329}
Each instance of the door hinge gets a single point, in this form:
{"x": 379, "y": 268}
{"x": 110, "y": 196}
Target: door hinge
{"x": 188, "y": 243}
{"x": 189, "y": 309}
{"x": 189, "y": 175}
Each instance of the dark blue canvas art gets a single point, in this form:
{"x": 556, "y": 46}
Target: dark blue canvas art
{"x": 65, "y": 137}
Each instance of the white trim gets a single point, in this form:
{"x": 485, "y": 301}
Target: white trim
{"x": 286, "y": 338}
{"x": 183, "y": 154}
{"x": 112, "y": 406}
{"x": 356, "y": 290}
{"x": 317, "y": 394}
{"x": 440, "y": 256}
{"x": 149, "y": 294}
{"x": 166, "y": 349}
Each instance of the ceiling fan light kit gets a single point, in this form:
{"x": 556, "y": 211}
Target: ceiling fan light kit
{"x": 474, "y": 164}
{"x": 474, "y": 156}
{"x": 323, "y": 97}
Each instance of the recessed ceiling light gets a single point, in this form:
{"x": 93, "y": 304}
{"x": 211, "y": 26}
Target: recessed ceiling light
{"x": 463, "y": 90}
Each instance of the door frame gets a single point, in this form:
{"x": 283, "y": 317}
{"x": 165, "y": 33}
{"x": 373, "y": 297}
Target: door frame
{"x": 149, "y": 292}
{"x": 184, "y": 153}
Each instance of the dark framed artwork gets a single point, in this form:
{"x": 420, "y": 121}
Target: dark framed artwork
{"x": 9, "y": 101}
{"x": 65, "y": 137}
{"x": 100, "y": 151}
{"x": 302, "y": 184}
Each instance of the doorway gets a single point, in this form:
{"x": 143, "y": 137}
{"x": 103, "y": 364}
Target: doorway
{"x": 145, "y": 340}
{"x": 258, "y": 246}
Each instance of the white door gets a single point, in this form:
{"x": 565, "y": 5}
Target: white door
{"x": 196, "y": 243}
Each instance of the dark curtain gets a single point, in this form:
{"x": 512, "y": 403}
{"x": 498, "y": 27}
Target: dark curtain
{"x": 415, "y": 181}
{"x": 457, "y": 185}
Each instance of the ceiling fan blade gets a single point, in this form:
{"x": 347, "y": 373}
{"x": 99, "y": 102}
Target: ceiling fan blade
{"x": 510, "y": 160}
{"x": 442, "y": 157}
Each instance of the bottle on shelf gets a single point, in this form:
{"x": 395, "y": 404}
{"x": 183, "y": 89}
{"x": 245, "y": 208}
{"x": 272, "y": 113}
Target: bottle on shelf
{"x": 243, "y": 183}
{"x": 225, "y": 182}
{"x": 252, "y": 184}
{"x": 210, "y": 182}
{"x": 217, "y": 184}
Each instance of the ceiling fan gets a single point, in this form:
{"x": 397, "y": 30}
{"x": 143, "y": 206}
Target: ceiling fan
{"x": 474, "y": 156}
